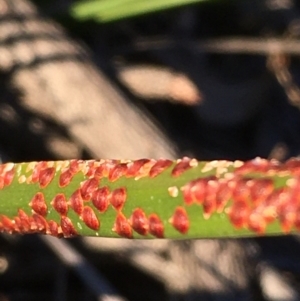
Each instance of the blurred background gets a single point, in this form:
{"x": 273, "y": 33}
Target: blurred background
{"x": 131, "y": 79}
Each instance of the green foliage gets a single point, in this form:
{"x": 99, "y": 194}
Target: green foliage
{"x": 111, "y": 10}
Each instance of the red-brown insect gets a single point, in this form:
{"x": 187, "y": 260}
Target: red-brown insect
{"x": 241, "y": 192}
{"x": 156, "y": 227}
{"x": 65, "y": 178}
{"x": 7, "y": 224}
{"x": 91, "y": 169}
{"x": 18, "y": 227}
{"x": 293, "y": 166}
{"x": 76, "y": 202}
{"x": 134, "y": 167}
{"x": 257, "y": 223}
{"x": 8, "y": 177}
{"x": 67, "y": 227}
{"x": 1, "y": 182}
{"x": 255, "y": 165}
{"x": 195, "y": 191}
{"x": 209, "y": 204}
{"x": 88, "y": 187}
{"x": 287, "y": 210}
{"x": 159, "y": 167}
{"x": 180, "y": 220}
{"x": 53, "y": 228}
{"x": 38, "y": 204}
{"x": 269, "y": 207}
{"x": 297, "y": 219}
{"x": 46, "y": 176}
{"x": 139, "y": 221}
{"x": 260, "y": 190}
{"x": 118, "y": 198}
{"x": 90, "y": 219}
{"x": 24, "y": 219}
{"x": 117, "y": 172}
{"x": 104, "y": 168}
{"x": 37, "y": 169}
{"x": 181, "y": 167}
{"x": 74, "y": 166}
{"x": 100, "y": 198}
{"x": 239, "y": 214}
{"x": 122, "y": 226}
{"x": 60, "y": 204}
{"x": 224, "y": 193}
{"x": 40, "y": 223}
{"x": 187, "y": 191}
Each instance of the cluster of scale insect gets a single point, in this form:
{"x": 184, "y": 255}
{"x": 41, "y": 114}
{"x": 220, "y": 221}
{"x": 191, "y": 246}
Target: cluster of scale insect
{"x": 86, "y": 199}
{"x": 251, "y": 202}
{"x": 254, "y": 201}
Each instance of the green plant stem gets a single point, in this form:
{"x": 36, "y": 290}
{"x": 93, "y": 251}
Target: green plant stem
{"x": 151, "y": 198}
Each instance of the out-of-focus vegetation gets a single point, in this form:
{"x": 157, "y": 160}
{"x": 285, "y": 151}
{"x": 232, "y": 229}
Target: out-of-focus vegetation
{"x": 110, "y": 10}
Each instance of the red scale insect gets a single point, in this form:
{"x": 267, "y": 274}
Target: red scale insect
{"x": 297, "y": 219}
{"x": 239, "y": 214}
{"x": 33, "y": 225}
{"x": 88, "y": 187}
{"x": 91, "y": 168}
{"x": 122, "y": 226}
{"x": 7, "y": 224}
{"x": 18, "y": 225}
{"x": 139, "y": 221}
{"x": 60, "y": 204}
{"x": 134, "y": 167}
{"x": 76, "y": 202}
{"x": 117, "y": 172}
{"x": 104, "y": 169}
{"x": 270, "y": 205}
{"x": 181, "y": 167}
{"x": 1, "y": 182}
{"x": 224, "y": 193}
{"x": 209, "y": 203}
{"x": 90, "y": 219}
{"x": 180, "y": 220}
{"x": 100, "y": 198}
{"x": 188, "y": 197}
{"x": 287, "y": 212}
{"x": 195, "y": 191}
{"x": 295, "y": 192}
{"x": 8, "y": 177}
{"x": 293, "y": 166}
{"x": 118, "y": 198}
{"x": 241, "y": 191}
{"x": 24, "y": 218}
{"x": 53, "y": 229}
{"x": 159, "y": 167}
{"x": 46, "y": 176}
{"x": 36, "y": 171}
{"x": 255, "y": 165}
{"x": 38, "y": 204}
{"x": 101, "y": 171}
{"x": 260, "y": 190}
{"x": 74, "y": 166}
{"x": 65, "y": 178}
{"x": 257, "y": 222}
{"x": 40, "y": 223}
{"x": 156, "y": 227}
{"x": 67, "y": 227}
